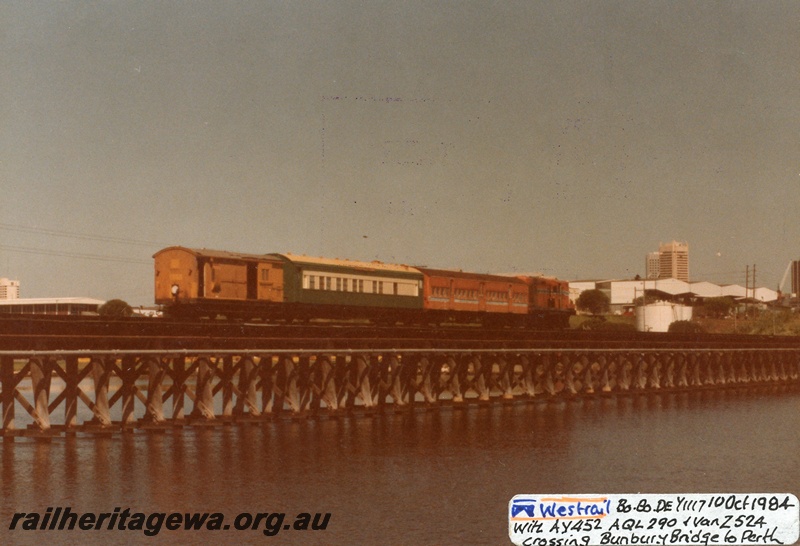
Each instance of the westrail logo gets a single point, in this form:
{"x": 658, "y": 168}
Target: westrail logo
{"x": 528, "y": 506}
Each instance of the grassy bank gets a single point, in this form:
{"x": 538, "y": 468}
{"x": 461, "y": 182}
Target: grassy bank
{"x": 781, "y": 323}
{"x": 579, "y": 322}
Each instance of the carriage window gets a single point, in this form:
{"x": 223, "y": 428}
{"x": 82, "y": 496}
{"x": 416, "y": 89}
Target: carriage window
{"x": 395, "y": 288}
{"x": 311, "y": 282}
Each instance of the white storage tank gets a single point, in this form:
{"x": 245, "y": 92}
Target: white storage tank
{"x": 656, "y": 317}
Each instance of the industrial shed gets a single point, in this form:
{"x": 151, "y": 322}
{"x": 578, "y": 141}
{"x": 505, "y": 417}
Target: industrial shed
{"x": 50, "y": 306}
{"x": 622, "y": 292}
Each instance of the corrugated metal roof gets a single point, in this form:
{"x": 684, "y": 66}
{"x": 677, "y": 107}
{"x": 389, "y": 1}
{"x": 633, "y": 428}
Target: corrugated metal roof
{"x": 623, "y": 291}
{"x": 734, "y": 290}
{"x": 706, "y": 289}
{"x": 470, "y": 275}
{"x": 51, "y": 301}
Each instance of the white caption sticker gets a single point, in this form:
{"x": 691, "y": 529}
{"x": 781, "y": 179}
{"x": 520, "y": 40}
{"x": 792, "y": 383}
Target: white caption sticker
{"x": 707, "y": 519}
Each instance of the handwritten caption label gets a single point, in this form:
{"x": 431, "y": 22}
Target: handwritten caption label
{"x": 703, "y": 519}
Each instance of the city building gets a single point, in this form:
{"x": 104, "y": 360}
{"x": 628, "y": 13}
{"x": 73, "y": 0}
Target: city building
{"x": 674, "y": 261}
{"x": 9, "y": 290}
{"x": 652, "y": 265}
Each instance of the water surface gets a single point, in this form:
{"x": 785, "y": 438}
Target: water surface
{"x": 428, "y": 477}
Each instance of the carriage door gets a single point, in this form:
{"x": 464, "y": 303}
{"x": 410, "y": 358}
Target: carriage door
{"x": 270, "y": 281}
{"x": 252, "y": 280}
{"x": 201, "y": 278}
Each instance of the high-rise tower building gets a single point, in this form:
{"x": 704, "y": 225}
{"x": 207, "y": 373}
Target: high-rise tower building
{"x": 673, "y": 261}
{"x": 9, "y": 290}
{"x": 652, "y": 265}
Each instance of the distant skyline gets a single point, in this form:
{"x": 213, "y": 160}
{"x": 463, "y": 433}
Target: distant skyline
{"x": 565, "y": 137}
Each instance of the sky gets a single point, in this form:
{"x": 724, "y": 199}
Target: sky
{"x": 566, "y": 138}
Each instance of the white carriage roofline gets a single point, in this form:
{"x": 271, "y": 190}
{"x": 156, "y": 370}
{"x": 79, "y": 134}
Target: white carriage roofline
{"x": 368, "y": 266}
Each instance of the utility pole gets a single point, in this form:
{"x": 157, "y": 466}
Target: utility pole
{"x": 644, "y": 305}
{"x": 746, "y": 290}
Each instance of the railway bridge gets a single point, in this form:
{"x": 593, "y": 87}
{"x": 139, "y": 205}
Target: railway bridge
{"x": 58, "y": 378}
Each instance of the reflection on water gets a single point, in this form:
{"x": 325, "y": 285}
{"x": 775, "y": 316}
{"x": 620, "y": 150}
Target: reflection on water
{"x": 436, "y": 477}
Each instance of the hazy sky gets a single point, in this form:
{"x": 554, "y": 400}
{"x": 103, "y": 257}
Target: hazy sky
{"x": 563, "y": 137}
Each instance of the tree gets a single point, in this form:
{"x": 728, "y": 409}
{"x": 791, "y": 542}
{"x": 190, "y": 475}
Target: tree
{"x": 650, "y": 296}
{"x": 718, "y": 307}
{"x": 115, "y": 308}
{"x": 594, "y": 301}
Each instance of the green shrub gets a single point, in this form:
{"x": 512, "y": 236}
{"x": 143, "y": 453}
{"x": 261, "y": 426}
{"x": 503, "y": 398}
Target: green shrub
{"x": 115, "y": 308}
{"x": 685, "y": 327}
{"x": 591, "y": 324}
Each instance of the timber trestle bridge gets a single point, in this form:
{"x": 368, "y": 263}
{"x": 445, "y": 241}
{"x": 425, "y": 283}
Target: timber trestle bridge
{"x": 66, "y": 377}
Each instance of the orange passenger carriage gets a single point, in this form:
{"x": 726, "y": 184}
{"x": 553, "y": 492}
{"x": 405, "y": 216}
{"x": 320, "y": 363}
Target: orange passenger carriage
{"x": 473, "y": 292}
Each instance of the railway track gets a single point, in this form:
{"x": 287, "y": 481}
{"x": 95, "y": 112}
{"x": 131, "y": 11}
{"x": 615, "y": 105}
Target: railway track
{"x": 37, "y": 333}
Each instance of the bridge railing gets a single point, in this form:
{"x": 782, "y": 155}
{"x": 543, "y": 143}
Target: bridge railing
{"x": 52, "y": 392}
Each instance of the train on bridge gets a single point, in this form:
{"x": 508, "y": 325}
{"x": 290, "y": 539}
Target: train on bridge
{"x": 192, "y": 283}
